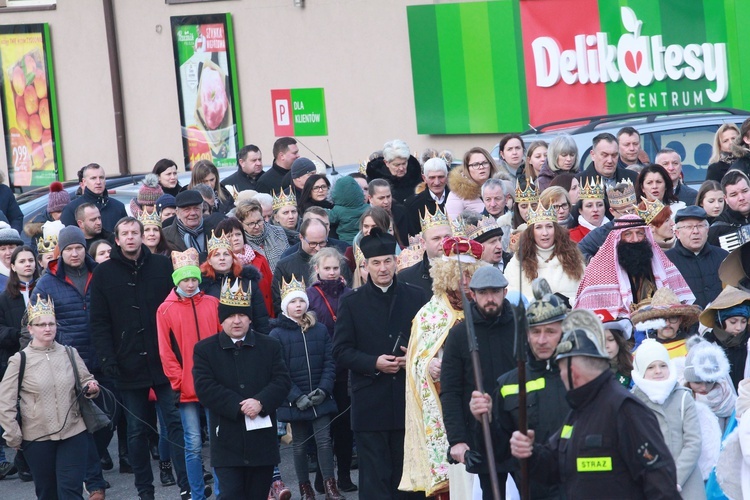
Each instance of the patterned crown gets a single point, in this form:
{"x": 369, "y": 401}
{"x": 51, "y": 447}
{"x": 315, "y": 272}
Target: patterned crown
{"x": 187, "y": 258}
{"x": 215, "y": 243}
{"x": 363, "y": 167}
{"x": 359, "y": 257}
{"x": 233, "y": 295}
{"x": 652, "y": 209}
{"x": 621, "y": 195}
{"x": 433, "y": 220}
{"x": 293, "y": 285}
{"x": 40, "y": 308}
{"x": 541, "y": 214}
{"x": 149, "y": 218}
{"x": 528, "y": 195}
{"x": 46, "y": 245}
{"x": 593, "y": 189}
{"x": 458, "y": 226}
{"x": 411, "y": 254}
{"x": 484, "y": 225}
{"x": 283, "y": 199}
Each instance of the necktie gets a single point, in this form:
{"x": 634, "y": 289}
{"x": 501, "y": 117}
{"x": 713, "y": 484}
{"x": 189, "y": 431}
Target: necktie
{"x": 238, "y": 344}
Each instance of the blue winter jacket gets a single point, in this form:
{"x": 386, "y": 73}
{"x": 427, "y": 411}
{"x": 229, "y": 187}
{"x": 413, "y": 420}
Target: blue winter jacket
{"x": 71, "y": 309}
{"x": 309, "y": 358}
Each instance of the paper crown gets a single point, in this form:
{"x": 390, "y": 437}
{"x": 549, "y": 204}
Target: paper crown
{"x": 411, "y": 254}
{"x": 293, "y": 285}
{"x": 149, "y": 218}
{"x": 359, "y": 257}
{"x": 462, "y": 248}
{"x": 484, "y": 225}
{"x": 458, "y": 226}
{"x": 541, "y": 214}
{"x": 215, "y": 243}
{"x": 363, "y": 167}
{"x": 40, "y": 308}
{"x": 652, "y": 209}
{"x": 283, "y": 199}
{"x": 528, "y": 195}
{"x": 433, "y": 220}
{"x": 621, "y": 195}
{"x": 187, "y": 258}
{"x": 233, "y": 295}
{"x": 593, "y": 189}
{"x": 46, "y": 245}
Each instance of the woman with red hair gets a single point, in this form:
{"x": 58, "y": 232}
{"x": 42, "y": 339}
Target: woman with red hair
{"x": 659, "y": 217}
{"x": 222, "y": 265}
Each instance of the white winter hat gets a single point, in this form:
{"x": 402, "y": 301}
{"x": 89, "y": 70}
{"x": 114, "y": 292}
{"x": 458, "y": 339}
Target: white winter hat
{"x": 705, "y": 362}
{"x": 649, "y": 351}
{"x": 296, "y": 294}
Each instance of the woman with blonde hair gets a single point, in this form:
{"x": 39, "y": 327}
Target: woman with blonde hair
{"x": 562, "y": 157}
{"x": 722, "y": 155}
{"x": 465, "y": 182}
{"x": 557, "y": 198}
{"x": 536, "y": 155}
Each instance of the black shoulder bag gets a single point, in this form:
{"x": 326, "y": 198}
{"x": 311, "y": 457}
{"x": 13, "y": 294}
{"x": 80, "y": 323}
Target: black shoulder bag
{"x": 92, "y": 415}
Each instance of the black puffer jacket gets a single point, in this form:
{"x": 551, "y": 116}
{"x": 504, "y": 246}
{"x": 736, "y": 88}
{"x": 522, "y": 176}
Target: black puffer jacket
{"x": 11, "y": 312}
{"x": 700, "y": 271}
{"x": 401, "y": 187}
{"x": 309, "y": 358}
{"x": 125, "y": 295}
{"x": 250, "y": 277}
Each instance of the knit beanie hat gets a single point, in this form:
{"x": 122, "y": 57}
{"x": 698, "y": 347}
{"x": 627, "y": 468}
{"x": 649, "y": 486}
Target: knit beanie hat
{"x": 165, "y": 201}
{"x": 705, "y": 361}
{"x": 70, "y": 235}
{"x": 58, "y": 198}
{"x": 9, "y": 236}
{"x": 302, "y": 166}
{"x": 150, "y": 191}
{"x": 649, "y": 351}
{"x": 291, "y": 290}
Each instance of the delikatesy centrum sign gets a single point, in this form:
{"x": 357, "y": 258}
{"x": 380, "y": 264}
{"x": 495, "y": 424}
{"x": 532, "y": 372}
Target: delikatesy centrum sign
{"x": 499, "y": 66}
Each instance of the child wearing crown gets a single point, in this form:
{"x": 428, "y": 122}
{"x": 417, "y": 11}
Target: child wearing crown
{"x": 184, "y": 318}
{"x": 306, "y": 348}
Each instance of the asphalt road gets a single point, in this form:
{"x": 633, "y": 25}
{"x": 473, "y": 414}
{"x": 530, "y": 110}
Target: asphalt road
{"x": 122, "y": 488}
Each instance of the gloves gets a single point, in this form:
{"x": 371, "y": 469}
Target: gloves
{"x": 317, "y": 396}
{"x": 303, "y": 403}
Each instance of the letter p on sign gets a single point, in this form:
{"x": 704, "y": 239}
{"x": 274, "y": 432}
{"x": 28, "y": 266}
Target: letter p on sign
{"x": 281, "y": 101}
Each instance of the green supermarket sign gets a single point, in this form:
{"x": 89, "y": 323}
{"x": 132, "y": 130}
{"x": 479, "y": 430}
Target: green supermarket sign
{"x": 499, "y": 66}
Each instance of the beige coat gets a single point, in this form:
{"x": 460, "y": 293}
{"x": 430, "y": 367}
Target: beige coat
{"x": 47, "y": 393}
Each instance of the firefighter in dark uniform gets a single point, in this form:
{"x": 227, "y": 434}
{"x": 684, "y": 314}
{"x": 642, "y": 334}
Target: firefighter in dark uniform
{"x": 610, "y": 445}
{"x": 546, "y": 403}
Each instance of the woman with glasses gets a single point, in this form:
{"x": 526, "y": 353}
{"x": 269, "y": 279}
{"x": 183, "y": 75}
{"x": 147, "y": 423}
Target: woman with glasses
{"x": 465, "y": 182}
{"x": 267, "y": 239}
{"x": 562, "y": 158}
{"x": 315, "y": 193}
{"x": 557, "y": 198}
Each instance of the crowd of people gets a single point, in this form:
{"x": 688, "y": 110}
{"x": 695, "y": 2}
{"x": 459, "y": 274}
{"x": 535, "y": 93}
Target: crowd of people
{"x": 281, "y": 302}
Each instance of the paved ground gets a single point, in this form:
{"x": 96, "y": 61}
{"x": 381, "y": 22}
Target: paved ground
{"x": 122, "y": 484}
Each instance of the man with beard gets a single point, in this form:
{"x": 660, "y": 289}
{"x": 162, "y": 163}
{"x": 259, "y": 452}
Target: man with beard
{"x": 628, "y": 268}
{"x": 493, "y": 325}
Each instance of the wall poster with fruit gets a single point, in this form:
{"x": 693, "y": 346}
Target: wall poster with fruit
{"x": 27, "y": 90}
{"x": 207, "y": 88}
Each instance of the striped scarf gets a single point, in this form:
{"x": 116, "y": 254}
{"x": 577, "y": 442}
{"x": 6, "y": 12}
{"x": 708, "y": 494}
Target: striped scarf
{"x": 271, "y": 243}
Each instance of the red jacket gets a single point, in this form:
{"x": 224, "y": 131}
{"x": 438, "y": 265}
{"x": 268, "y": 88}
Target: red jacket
{"x": 181, "y": 323}
{"x": 578, "y": 232}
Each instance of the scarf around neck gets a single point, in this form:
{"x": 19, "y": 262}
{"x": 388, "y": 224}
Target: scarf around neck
{"x": 193, "y": 238}
{"x": 656, "y": 390}
{"x": 271, "y": 243}
{"x": 721, "y": 399}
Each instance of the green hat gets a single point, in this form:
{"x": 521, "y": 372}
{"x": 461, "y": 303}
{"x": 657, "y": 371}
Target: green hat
{"x": 185, "y": 265}
{"x": 185, "y": 273}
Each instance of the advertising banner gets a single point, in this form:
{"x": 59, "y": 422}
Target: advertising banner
{"x": 29, "y": 105}
{"x": 207, "y": 88}
{"x": 501, "y": 66}
{"x": 300, "y": 112}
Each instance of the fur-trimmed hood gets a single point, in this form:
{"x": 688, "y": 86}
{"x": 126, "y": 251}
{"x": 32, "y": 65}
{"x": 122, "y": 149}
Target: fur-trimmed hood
{"x": 463, "y": 186}
{"x": 740, "y": 150}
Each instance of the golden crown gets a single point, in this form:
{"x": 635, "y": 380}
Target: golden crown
{"x": 622, "y": 194}
{"x": 46, "y": 245}
{"x": 458, "y": 226}
{"x": 652, "y": 209}
{"x": 283, "y": 199}
{"x": 187, "y": 258}
{"x": 41, "y": 308}
{"x": 215, "y": 243}
{"x": 433, "y": 220}
{"x": 293, "y": 285}
{"x": 411, "y": 254}
{"x": 359, "y": 257}
{"x": 528, "y": 195}
{"x": 233, "y": 294}
{"x": 593, "y": 189}
{"x": 484, "y": 225}
{"x": 363, "y": 167}
{"x": 541, "y": 214}
{"x": 149, "y": 218}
